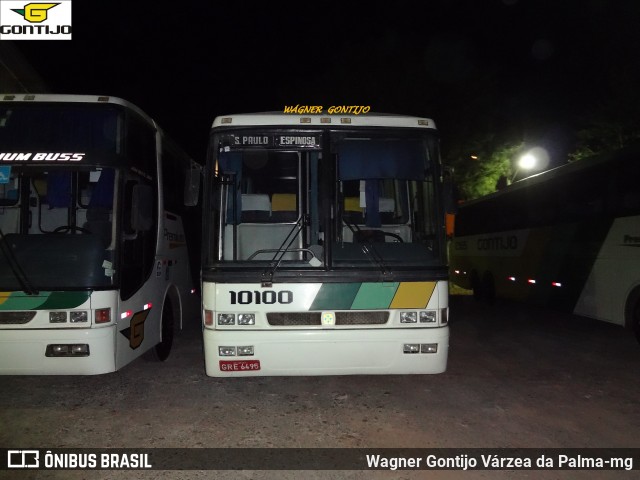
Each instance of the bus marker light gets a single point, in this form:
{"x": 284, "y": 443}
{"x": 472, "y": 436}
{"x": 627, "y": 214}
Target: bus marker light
{"x": 444, "y": 316}
{"x": 246, "y": 319}
{"x": 227, "y": 351}
{"x": 103, "y": 315}
{"x": 513, "y": 279}
{"x": 556, "y": 284}
{"x": 146, "y": 306}
{"x": 226, "y": 319}
{"x": 411, "y": 348}
{"x": 408, "y": 317}
{"x": 429, "y": 348}
{"x": 57, "y": 317}
{"x": 123, "y": 315}
{"x": 245, "y": 350}
{"x": 531, "y": 281}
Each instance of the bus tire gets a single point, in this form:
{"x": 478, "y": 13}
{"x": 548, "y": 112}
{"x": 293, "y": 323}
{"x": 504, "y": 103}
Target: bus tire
{"x": 476, "y": 287}
{"x": 489, "y": 288}
{"x": 161, "y": 351}
{"x": 632, "y": 311}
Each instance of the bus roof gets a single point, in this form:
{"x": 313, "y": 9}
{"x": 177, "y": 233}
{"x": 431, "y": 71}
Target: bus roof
{"x": 325, "y": 120}
{"x": 566, "y": 169}
{"x": 63, "y": 98}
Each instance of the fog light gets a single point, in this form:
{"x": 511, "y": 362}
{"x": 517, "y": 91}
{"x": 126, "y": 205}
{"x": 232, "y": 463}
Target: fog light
{"x": 60, "y": 349}
{"x": 79, "y": 317}
{"x": 429, "y": 348}
{"x": 227, "y": 351}
{"x": 246, "y": 319}
{"x": 65, "y": 350}
{"x": 428, "y": 317}
{"x": 408, "y": 317}
{"x": 246, "y": 350}
{"x": 226, "y": 319}
{"x": 80, "y": 349}
{"x": 411, "y": 348}
{"x": 57, "y": 317}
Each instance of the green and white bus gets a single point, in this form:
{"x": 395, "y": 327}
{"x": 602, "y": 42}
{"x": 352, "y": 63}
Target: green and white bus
{"x": 94, "y": 266}
{"x": 566, "y": 238}
{"x": 324, "y": 246}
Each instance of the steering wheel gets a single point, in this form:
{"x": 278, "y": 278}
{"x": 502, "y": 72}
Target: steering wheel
{"x": 71, "y": 228}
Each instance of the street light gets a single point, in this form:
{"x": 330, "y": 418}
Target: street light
{"x": 535, "y": 159}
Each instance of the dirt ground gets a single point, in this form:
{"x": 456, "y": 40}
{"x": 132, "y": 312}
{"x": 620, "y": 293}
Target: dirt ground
{"x": 517, "y": 377}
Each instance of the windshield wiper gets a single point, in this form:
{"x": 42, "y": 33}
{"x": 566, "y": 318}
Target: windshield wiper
{"x": 369, "y": 250}
{"x": 267, "y": 275}
{"x": 16, "y": 269}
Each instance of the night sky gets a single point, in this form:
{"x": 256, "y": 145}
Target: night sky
{"x": 515, "y": 70}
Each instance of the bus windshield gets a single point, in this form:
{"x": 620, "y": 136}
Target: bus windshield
{"x": 57, "y": 227}
{"x": 386, "y": 198}
{"x": 325, "y": 199}
{"x": 93, "y": 130}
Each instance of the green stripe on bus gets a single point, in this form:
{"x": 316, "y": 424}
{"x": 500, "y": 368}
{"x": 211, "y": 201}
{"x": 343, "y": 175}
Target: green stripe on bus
{"x": 58, "y": 300}
{"x": 372, "y": 296}
{"x": 43, "y": 300}
{"x": 335, "y": 296}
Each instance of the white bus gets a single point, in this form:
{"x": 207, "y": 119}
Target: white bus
{"x": 567, "y": 238}
{"x": 324, "y": 246}
{"x": 94, "y": 268}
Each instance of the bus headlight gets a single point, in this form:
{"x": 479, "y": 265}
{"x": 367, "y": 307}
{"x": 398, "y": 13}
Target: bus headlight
{"x": 408, "y": 317}
{"x": 226, "y": 319}
{"x": 81, "y": 316}
{"x": 246, "y": 319}
{"x": 57, "y": 317}
{"x": 428, "y": 317}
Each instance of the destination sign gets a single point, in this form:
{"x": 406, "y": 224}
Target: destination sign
{"x": 270, "y": 140}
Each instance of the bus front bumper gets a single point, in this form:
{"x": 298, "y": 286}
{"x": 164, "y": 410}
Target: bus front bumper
{"x": 328, "y": 352}
{"x": 25, "y": 352}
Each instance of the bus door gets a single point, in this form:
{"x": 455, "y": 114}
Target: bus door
{"x": 141, "y": 279}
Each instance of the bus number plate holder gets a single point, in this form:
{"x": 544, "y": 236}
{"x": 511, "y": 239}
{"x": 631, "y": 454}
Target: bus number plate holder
{"x": 239, "y": 365}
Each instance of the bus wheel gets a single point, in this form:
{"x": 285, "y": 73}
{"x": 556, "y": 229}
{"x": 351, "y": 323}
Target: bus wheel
{"x": 475, "y": 286}
{"x": 634, "y": 315}
{"x": 489, "y": 288}
{"x": 162, "y": 350}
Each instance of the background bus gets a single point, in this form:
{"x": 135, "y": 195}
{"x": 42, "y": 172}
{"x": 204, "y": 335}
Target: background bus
{"x": 324, "y": 246}
{"x": 94, "y": 268}
{"x": 566, "y": 238}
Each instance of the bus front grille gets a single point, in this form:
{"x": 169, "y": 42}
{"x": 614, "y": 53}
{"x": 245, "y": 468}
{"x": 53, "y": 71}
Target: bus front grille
{"x": 361, "y": 318}
{"x": 16, "y": 318}
{"x": 294, "y": 319}
{"x": 298, "y": 319}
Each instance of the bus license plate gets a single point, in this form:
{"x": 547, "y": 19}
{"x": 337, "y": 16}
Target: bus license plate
{"x": 239, "y": 365}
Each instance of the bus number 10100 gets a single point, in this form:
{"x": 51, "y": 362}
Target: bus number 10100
{"x": 268, "y": 297}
